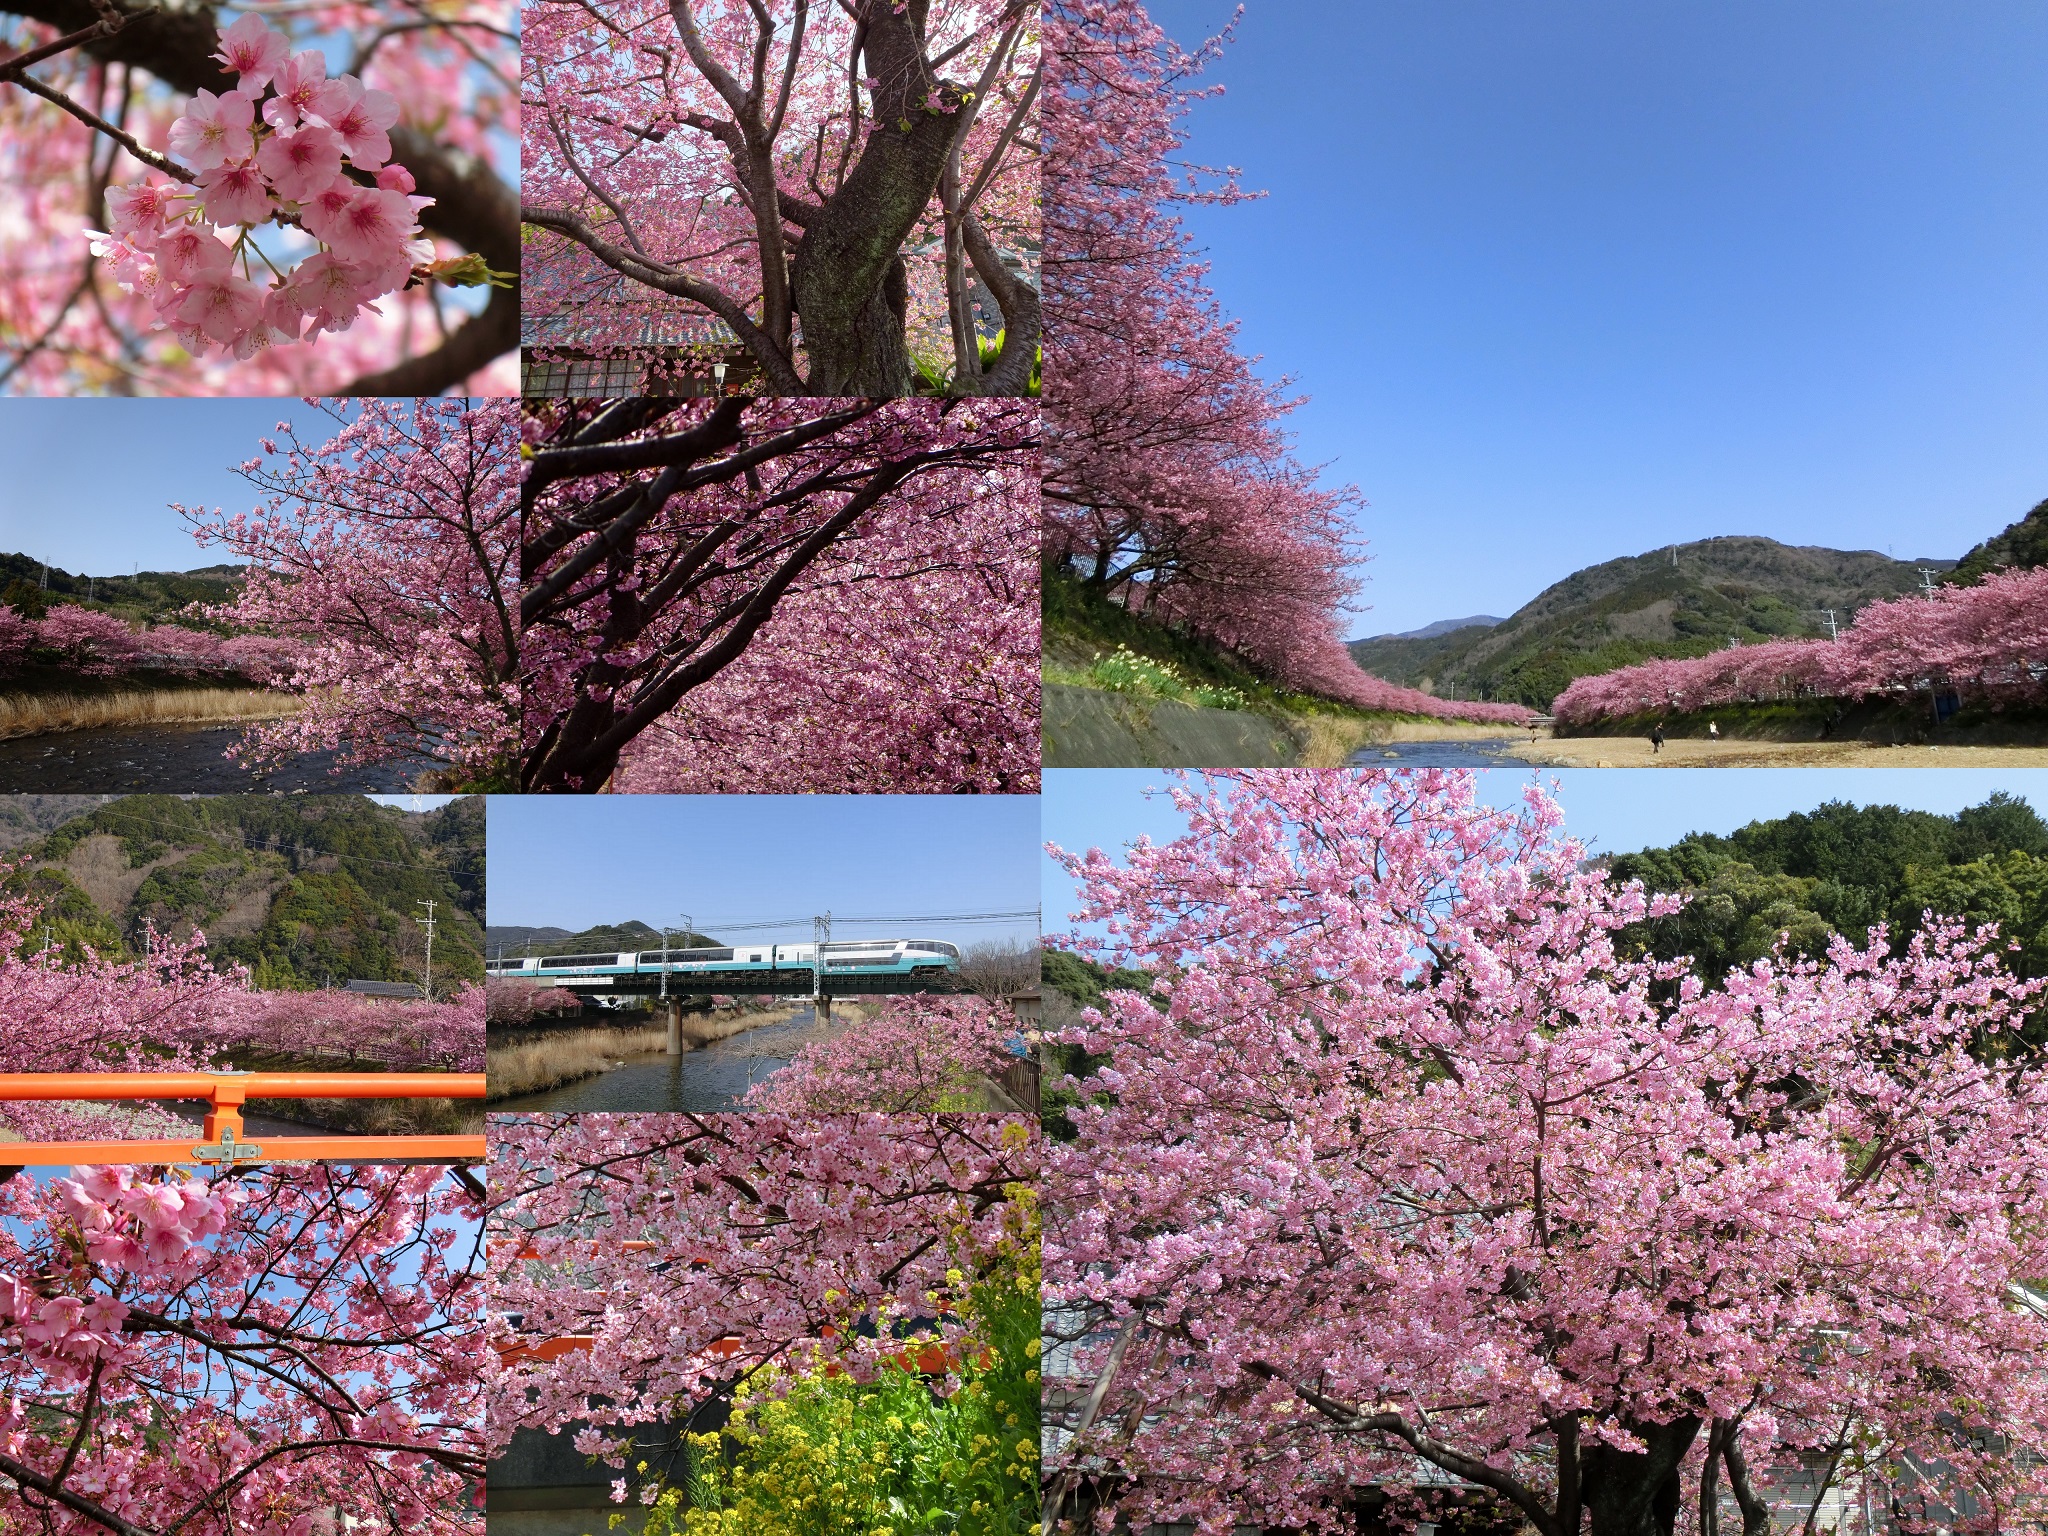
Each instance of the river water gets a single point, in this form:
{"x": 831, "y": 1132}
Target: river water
{"x": 177, "y": 759}
{"x": 710, "y": 1078}
{"x": 1435, "y": 754}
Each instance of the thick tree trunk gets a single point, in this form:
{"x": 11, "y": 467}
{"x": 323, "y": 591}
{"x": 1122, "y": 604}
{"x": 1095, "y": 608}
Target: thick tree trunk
{"x": 1637, "y": 1493}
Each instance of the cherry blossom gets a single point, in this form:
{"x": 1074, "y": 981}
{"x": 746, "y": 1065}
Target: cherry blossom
{"x": 108, "y": 155}
{"x": 861, "y": 164}
{"x": 1402, "y": 1165}
{"x": 384, "y": 557}
{"x": 761, "y": 1239}
{"x": 1987, "y": 642}
{"x": 913, "y": 1053}
{"x": 820, "y": 595}
{"x": 1171, "y": 486}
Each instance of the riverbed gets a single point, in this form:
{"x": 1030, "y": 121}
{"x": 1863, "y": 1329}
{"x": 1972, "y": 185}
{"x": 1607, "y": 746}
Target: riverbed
{"x": 1433, "y": 754}
{"x": 178, "y": 759}
{"x": 711, "y": 1078}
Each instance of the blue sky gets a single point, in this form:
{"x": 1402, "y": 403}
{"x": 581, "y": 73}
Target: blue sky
{"x": 88, "y": 483}
{"x": 1611, "y": 810}
{"x": 733, "y": 861}
{"x": 1572, "y": 281}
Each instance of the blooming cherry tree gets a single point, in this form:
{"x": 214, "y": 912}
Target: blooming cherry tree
{"x": 692, "y": 1252}
{"x": 249, "y": 1352}
{"x": 1171, "y": 487}
{"x": 385, "y": 555}
{"x": 785, "y": 595}
{"x": 852, "y": 167}
{"x": 1401, "y": 1164}
{"x": 914, "y": 1053}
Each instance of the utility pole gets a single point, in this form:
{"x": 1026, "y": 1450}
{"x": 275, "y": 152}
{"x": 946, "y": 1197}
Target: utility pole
{"x": 46, "y": 938}
{"x": 1832, "y": 633}
{"x": 1926, "y": 580}
{"x": 427, "y": 973}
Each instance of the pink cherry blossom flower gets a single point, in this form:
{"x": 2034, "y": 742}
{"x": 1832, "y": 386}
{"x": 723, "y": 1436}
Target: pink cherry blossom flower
{"x": 138, "y": 214}
{"x": 187, "y": 254}
{"x": 360, "y": 118}
{"x": 298, "y": 85}
{"x": 234, "y": 193}
{"x": 300, "y": 165}
{"x": 214, "y": 129}
{"x": 54, "y": 1319}
{"x": 155, "y": 1205}
{"x": 372, "y": 225}
{"x": 222, "y": 306}
{"x": 328, "y": 291}
{"x": 253, "y": 49}
{"x": 396, "y": 178}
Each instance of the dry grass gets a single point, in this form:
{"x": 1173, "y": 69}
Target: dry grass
{"x": 378, "y": 1117}
{"x": 701, "y": 1029}
{"x": 538, "y": 1065}
{"x": 1332, "y": 741}
{"x": 42, "y": 714}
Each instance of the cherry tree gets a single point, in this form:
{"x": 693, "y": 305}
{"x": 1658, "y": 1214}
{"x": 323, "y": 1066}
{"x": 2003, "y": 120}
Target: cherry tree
{"x": 405, "y": 1033}
{"x": 786, "y": 163}
{"x": 782, "y": 595}
{"x": 100, "y": 644}
{"x": 255, "y": 1352}
{"x": 515, "y": 1002}
{"x": 693, "y": 1251}
{"x": 1171, "y": 487}
{"x": 386, "y": 554}
{"x": 1401, "y": 1167}
{"x": 914, "y": 1053}
{"x": 1988, "y": 642}
{"x": 207, "y": 210}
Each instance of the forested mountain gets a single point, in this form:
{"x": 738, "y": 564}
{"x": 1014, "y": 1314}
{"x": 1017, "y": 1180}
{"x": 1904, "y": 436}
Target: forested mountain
{"x": 2023, "y": 547}
{"x": 25, "y": 818}
{"x": 304, "y": 890}
{"x": 155, "y": 597}
{"x": 1843, "y": 868}
{"x": 1682, "y": 600}
{"x": 626, "y": 936}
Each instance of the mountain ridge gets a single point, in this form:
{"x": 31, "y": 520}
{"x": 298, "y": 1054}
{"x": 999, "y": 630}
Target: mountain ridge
{"x": 1676, "y": 600}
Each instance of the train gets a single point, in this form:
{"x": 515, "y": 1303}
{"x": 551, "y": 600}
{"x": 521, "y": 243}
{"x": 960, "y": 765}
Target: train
{"x": 928, "y": 958}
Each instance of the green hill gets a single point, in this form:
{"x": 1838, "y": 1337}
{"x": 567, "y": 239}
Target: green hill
{"x": 1842, "y": 869}
{"x": 1683, "y": 600}
{"x": 304, "y": 890}
{"x": 2023, "y": 546}
{"x": 628, "y": 936}
{"x": 154, "y": 597}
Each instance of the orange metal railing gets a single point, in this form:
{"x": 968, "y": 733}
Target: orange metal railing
{"x": 221, "y": 1141}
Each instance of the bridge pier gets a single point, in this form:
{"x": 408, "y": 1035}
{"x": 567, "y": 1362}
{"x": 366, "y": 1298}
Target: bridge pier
{"x": 675, "y": 1026}
{"x": 822, "y": 1007}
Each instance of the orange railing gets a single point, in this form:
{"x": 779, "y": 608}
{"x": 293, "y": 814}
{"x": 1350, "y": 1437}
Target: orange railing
{"x": 221, "y": 1141}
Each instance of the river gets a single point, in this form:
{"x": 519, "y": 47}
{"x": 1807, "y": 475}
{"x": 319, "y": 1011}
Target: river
{"x": 178, "y": 759}
{"x": 1435, "y": 754}
{"x": 710, "y": 1078}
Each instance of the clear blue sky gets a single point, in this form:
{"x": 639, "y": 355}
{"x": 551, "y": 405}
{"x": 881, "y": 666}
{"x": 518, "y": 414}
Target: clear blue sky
{"x": 1575, "y": 280}
{"x": 1611, "y": 810}
{"x": 733, "y": 860}
{"x": 87, "y": 483}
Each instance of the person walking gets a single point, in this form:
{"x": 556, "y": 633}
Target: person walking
{"x": 1713, "y": 731}
{"x": 1657, "y": 738}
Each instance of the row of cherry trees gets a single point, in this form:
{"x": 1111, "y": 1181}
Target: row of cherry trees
{"x": 1170, "y": 485}
{"x": 99, "y": 644}
{"x": 1989, "y": 642}
{"x": 1404, "y": 1160}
